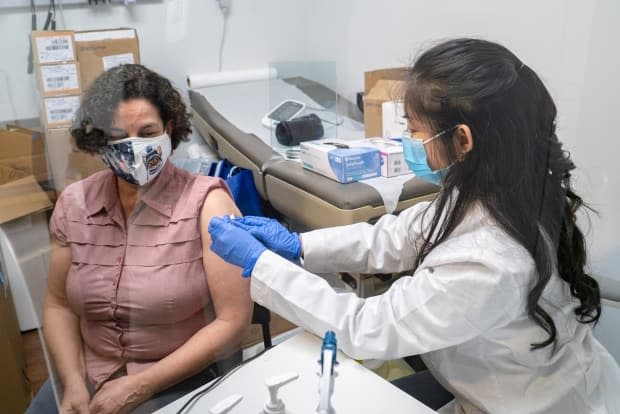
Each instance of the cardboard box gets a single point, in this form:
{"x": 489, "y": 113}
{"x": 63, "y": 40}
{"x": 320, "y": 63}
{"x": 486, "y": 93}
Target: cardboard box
{"x": 393, "y": 121}
{"x": 13, "y": 386}
{"x": 380, "y": 86}
{"x": 59, "y": 79}
{"x": 52, "y": 47}
{"x": 100, "y": 50}
{"x": 23, "y": 150}
{"x": 67, "y": 163}
{"x": 339, "y": 161}
{"x": 59, "y": 111}
{"x": 20, "y": 195}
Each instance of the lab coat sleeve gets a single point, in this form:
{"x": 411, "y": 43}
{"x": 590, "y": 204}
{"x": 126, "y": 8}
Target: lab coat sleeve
{"x": 437, "y": 308}
{"x": 387, "y": 246}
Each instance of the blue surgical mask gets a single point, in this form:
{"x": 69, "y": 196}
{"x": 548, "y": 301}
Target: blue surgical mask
{"x": 415, "y": 157}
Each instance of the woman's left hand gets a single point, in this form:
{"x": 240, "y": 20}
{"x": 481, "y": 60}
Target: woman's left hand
{"x": 118, "y": 396}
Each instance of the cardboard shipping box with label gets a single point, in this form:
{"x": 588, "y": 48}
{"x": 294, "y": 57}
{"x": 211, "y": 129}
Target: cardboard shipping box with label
{"x": 58, "y": 111}
{"x": 59, "y": 79}
{"x": 100, "y": 50}
{"x": 52, "y": 47}
{"x": 380, "y": 86}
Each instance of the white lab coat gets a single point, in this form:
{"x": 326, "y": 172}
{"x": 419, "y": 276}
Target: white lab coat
{"x": 464, "y": 310}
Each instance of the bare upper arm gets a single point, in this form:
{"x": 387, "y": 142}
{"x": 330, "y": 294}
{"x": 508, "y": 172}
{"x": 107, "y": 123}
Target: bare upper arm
{"x": 229, "y": 291}
{"x": 60, "y": 262}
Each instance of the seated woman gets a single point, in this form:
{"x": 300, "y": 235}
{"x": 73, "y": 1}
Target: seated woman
{"x": 137, "y": 302}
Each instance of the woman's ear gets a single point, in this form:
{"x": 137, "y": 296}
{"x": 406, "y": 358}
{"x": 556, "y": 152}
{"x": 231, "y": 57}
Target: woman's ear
{"x": 464, "y": 139}
{"x": 169, "y": 128}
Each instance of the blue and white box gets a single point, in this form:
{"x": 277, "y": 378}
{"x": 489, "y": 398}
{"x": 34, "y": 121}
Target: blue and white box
{"x": 336, "y": 159}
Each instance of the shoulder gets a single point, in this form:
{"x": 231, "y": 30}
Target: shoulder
{"x": 219, "y": 202}
{"x": 480, "y": 240}
{"x": 85, "y": 194}
{"x": 189, "y": 192}
{"x": 209, "y": 196}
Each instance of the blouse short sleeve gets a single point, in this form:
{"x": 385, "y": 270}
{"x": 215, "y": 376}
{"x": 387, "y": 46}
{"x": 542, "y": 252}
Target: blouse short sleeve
{"x": 58, "y": 223}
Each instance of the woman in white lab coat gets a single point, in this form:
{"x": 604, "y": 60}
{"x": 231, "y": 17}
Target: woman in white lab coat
{"x": 498, "y": 302}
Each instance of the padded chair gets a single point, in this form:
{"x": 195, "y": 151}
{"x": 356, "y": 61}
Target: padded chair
{"x": 262, "y": 316}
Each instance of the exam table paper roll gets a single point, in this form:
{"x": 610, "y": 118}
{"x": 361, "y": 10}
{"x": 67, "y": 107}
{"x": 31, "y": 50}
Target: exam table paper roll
{"x": 200, "y": 80}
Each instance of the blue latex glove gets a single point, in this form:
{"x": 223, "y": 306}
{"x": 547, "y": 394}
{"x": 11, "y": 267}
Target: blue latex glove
{"x": 273, "y": 235}
{"x": 234, "y": 245}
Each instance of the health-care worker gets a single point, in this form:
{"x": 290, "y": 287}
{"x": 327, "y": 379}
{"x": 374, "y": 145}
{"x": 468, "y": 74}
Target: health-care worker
{"x": 498, "y": 304}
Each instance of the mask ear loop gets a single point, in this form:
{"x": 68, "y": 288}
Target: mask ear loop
{"x": 459, "y": 158}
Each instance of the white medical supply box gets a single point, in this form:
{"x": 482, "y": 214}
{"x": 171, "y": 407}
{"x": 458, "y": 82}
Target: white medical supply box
{"x": 341, "y": 160}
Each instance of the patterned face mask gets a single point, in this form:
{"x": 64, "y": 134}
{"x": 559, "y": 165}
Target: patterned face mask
{"x": 138, "y": 160}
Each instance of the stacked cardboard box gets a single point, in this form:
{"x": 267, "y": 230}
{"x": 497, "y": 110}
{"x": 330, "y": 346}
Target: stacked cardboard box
{"x": 58, "y": 76}
{"x": 22, "y": 167}
{"x": 100, "y": 50}
{"x": 66, "y": 64}
{"x": 383, "y": 85}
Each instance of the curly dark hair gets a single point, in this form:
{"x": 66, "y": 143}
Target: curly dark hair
{"x": 93, "y": 119}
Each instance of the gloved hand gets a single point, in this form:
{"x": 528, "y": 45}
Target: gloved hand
{"x": 234, "y": 244}
{"x": 273, "y": 235}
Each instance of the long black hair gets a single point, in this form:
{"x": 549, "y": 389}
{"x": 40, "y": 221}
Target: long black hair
{"x": 516, "y": 169}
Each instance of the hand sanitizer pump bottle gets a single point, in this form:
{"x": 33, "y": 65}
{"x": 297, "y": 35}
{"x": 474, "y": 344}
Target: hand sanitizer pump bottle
{"x": 274, "y": 405}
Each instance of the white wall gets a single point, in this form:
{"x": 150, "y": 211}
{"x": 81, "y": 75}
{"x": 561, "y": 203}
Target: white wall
{"x": 176, "y": 37}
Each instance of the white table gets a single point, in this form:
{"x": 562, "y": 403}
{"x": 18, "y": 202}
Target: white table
{"x": 356, "y": 389}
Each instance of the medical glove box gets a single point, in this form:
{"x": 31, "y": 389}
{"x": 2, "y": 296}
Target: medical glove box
{"x": 392, "y": 157}
{"x": 341, "y": 160}
{"x": 380, "y": 86}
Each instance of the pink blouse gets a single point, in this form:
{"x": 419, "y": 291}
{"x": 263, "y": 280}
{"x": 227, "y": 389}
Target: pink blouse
{"x": 139, "y": 287}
